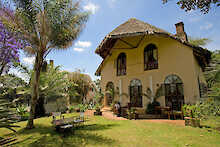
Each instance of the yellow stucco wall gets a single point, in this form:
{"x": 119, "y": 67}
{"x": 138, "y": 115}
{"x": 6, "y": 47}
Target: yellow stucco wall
{"x": 173, "y": 58}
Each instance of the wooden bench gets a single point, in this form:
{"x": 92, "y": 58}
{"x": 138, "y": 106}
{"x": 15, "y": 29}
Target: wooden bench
{"x": 66, "y": 124}
{"x": 78, "y": 121}
{"x": 61, "y": 125}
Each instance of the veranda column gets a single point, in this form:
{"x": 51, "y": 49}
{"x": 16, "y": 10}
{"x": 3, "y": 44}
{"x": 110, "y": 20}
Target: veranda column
{"x": 105, "y": 100}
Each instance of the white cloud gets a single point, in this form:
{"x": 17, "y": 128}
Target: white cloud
{"x": 78, "y": 49}
{"x": 83, "y": 44}
{"x": 207, "y": 26}
{"x": 112, "y": 3}
{"x": 195, "y": 19}
{"x": 29, "y": 60}
{"x": 93, "y": 8}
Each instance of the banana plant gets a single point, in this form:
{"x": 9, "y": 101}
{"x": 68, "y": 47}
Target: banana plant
{"x": 153, "y": 97}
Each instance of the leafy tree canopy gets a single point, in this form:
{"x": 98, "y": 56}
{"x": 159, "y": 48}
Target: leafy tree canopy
{"x": 203, "y": 5}
{"x": 83, "y": 83}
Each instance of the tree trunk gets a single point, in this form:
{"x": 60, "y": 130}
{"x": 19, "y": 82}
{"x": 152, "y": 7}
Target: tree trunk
{"x": 1, "y": 70}
{"x": 68, "y": 103}
{"x": 35, "y": 89}
{"x": 4, "y": 63}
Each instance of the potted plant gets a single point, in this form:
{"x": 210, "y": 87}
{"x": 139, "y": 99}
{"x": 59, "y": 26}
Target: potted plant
{"x": 97, "y": 110}
{"x": 191, "y": 115}
{"x": 152, "y": 98}
{"x": 132, "y": 114}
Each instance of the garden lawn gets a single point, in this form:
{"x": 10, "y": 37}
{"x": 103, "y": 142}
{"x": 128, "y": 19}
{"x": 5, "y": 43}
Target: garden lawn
{"x": 99, "y": 131}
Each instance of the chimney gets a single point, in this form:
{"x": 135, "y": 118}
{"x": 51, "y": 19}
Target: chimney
{"x": 180, "y": 31}
{"x": 51, "y": 63}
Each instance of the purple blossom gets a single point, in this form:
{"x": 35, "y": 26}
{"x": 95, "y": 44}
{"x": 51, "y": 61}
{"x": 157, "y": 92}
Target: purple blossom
{"x": 9, "y": 47}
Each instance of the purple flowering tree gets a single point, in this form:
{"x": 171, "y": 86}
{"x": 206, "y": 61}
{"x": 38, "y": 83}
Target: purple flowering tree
{"x": 9, "y": 47}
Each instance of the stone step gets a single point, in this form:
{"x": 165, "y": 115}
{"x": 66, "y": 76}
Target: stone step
{"x": 151, "y": 116}
{"x": 106, "y": 109}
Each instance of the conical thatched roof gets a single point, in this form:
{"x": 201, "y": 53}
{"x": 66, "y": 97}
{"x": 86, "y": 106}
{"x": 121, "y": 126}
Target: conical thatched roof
{"x": 132, "y": 27}
{"x": 135, "y": 26}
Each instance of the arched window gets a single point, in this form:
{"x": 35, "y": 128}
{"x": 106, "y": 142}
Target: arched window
{"x": 173, "y": 79}
{"x": 174, "y": 95}
{"x": 150, "y": 57}
{"x": 121, "y": 64}
{"x": 136, "y": 93}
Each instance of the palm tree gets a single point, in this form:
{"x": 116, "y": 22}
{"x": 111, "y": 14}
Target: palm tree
{"x": 153, "y": 98}
{"x": 82, "y": 82}
{"x": 44, "y": 26}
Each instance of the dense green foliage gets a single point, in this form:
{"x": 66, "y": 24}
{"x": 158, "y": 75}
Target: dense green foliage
{"x": 202, "y": 110}
{"x": 53, "y": 83}
{"x": 22, "y": 112}
{"x": 213, "y": 76}
{"x": 81, "y": 84}
{"x": 9, "y": 85}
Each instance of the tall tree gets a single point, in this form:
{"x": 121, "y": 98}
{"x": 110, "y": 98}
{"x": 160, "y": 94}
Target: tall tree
{"x": 203, "y": 5}
{"x": 46, "y": 25}
{"x": 212, "y": 74}
{"x": 83, "y": 83}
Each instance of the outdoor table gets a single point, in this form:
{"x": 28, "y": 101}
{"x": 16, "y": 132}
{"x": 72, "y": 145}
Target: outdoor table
{"x": 164, "y": 110}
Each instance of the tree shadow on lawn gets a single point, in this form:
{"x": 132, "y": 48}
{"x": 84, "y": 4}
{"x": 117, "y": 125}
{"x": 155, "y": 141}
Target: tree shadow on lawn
{"x": 79, "y": 137}
{"x": 95, "y": 127}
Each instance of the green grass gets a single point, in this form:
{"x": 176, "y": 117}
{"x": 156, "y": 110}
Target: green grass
{"x": 99, "y": 131}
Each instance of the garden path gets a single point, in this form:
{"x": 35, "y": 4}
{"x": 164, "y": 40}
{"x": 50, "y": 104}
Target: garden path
{"x": 173, "y": 122}
{"x": 109, "y": 115}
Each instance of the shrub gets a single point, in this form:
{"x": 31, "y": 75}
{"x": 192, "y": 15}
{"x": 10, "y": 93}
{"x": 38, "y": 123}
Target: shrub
{"x": 151, "y": 107}
{"x": 22, "y": 112}
{"x": 25, "y": 116}
{"x": 131, "y": 113}
{"x": 97, "y": 107}
{"x": 203, "y": 109}
{"x": 209, "y": 107}
{"x": 72, "y": 108}
{"x": 192, "y": 111}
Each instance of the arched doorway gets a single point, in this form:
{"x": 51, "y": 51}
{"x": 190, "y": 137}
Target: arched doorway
{"x": 174, "y": 96}
{"x": 135, "y": 93}
{"x": 109, "y": 92}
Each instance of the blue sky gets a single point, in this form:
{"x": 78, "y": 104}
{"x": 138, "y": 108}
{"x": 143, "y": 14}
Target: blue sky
{"x": 108, "y": 14}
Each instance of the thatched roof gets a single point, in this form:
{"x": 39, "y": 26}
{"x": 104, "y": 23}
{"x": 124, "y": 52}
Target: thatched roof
{"x": 134, "y": 27}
